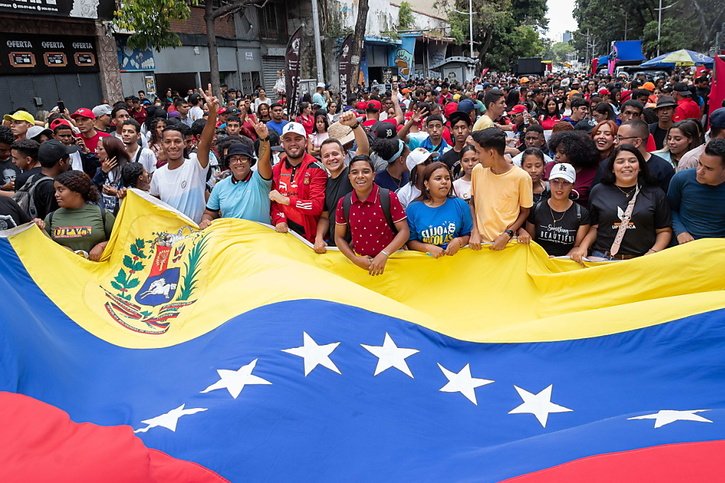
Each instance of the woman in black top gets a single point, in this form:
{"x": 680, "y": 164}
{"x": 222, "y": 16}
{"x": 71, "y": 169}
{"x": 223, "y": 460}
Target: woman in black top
{"x": 649, "y": 227}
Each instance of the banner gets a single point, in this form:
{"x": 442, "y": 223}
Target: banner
{"x": 717, "y": 90}
{"x": 88, "y": 9}
{"x": 346, "y": 70}
{"x": 46, "y": 54}
{"x": 404, "y": 57}
{"x": 292, "y": 72}
{"x": 241, "y": 350}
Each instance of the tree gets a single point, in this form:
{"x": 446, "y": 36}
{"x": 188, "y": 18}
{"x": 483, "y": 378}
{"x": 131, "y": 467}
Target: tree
{"x": 561, "y": 51}
{"x": 406, "y": 21}
{"x": 358, "y": 37}
{"x": 150, "y": 22}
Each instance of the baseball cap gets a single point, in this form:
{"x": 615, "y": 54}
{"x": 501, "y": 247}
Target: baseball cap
{"x": 450, "y": 108}
{"x": 361, "y": 106}
{"x": 565, "y": 82}
{"x": 682, "y": 89}
{"x": 466, "y": 106}
{"x": 524, "y": 80}
{"x": 518, "y": 109}
{"x": 53, "y": 151}
{"x": 60, "y": 122}
{"x": 717, "y": 118}
{"x": 342, "y": 132}
{"x": 239, "y": 149}
{"x": 35, "y": 131}
{"x": 294, "y": 128}
{"x": 418, "y": 156}
{"x": 102, "y": 110}
{"x": 83, "y": 112}
{"x": 603, "y": 92}
{"x": 384, "y": 130}
{"x": 320, "y": 85}
{"x": 649, "y": 86}
{"x": 20, "y": 116}
{"x": 563, "y": 171}
{"x": 665, "y": 101}
{"x": 374, "y": 106}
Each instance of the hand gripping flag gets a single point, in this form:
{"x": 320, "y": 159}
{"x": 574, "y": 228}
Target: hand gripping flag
{"x": 240, "y": 350}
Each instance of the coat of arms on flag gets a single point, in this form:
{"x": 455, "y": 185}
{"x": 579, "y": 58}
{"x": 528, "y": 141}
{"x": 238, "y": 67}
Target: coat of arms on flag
{"x": 157, "y": 279}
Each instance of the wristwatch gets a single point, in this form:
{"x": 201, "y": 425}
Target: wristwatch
{"x": 357, "y": 125}
{"x": 264, "y": 139}
{"x": 510, "y": 233}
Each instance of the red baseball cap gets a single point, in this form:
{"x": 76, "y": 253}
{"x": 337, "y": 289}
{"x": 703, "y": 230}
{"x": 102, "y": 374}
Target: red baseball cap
{"x": 60, "y": 122}
{"x": 361, "y": 106}
{"x": 603, "y": 92}
{"x": 518, "y": 109}
{"x": 374, "y": 106}
{"x": 83, "y": 112}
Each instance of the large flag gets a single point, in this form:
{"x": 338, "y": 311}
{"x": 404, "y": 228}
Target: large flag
{"x": 239, "y": 349}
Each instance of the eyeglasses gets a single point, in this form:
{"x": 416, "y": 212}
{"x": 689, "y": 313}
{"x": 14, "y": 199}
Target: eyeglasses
{"x": 238, "y": 159}
{"x": 622, "y": 138}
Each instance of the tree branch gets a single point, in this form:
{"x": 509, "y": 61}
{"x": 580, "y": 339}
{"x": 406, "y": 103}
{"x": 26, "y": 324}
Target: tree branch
{"x": 236, "y": 6}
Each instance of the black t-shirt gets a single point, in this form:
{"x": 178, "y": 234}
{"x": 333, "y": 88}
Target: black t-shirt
{"x": 556, "y": 231}
{"x": 658, "y": 134}
{"x": 9, "y": 172}
{"x": 453, "y": 161}
{"x": 661, "y": 170}
{"x": 10, "y": 214}
{"x": 23, "y": 177}
{"x": 607, "y": 205}
{"x": 44, "y": 197}
{"x": 335, "y": 189}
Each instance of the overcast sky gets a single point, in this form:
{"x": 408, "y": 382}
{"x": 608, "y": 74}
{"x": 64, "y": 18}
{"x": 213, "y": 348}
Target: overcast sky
{"x": 560, "y": 18}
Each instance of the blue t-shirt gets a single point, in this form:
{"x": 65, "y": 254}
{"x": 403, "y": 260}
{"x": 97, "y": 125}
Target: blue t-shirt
{"x": 440, "y": 225}
{"x": 277, "y": 126}
{"x": 697, "y": 209}
{"x": 384, "y": 180}
{"x": 247, "y": 200}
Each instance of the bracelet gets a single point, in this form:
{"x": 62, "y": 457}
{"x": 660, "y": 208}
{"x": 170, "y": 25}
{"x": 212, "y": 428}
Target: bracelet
{"x": 357, "y": 125}
{"x": 264, "y": 140}
{"x": 385, "y": 253}
{"x": 653, "y": 250}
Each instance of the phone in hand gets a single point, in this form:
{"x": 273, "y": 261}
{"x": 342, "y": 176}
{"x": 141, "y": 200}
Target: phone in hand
{"x": 61, "y": 107}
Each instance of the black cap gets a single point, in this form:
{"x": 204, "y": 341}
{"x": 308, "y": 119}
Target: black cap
{"x": 665, "y": 101}
{"x": 385, "y": 130}
{"x": 239, "y": 149}
{"x": 682, "y": 89}
{"x": 53, "y": 151}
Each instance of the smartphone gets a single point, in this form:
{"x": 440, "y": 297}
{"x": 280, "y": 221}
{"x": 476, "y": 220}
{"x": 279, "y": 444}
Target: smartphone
{"x": 61, "y": 106}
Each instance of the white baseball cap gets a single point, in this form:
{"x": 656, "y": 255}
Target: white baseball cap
{"x": 417, "y": 156}
{"x": 295, "y": 128}
{"x": 321, "y": 85}
{"x": 563, "y": 171}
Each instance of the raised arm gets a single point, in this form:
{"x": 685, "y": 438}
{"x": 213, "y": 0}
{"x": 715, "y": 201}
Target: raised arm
{"x": 207, "y": 134}
{"x": 265, "y": 151}
{"x": 361, "y": 138}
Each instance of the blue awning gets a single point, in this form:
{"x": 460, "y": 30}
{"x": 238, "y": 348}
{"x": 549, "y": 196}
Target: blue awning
{"x": 374, "y": 40}
{"x": 629, "y": 51}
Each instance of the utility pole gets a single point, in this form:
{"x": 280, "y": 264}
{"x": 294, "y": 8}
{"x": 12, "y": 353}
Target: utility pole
{"x": 318, "y": 42}
{"x": 470, "y": 23}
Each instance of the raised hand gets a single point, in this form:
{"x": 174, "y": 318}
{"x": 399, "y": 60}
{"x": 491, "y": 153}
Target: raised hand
{"x": 261, "y": 129}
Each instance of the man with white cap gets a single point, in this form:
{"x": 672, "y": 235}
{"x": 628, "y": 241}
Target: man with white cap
{"x": 558, "y": 224}
{"x": 318, "y": 98}
{"x": 411, "y": 190}
{"x": 298, "y": 186}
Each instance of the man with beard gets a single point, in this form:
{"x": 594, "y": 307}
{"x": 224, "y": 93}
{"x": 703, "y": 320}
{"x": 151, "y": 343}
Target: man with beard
{"x": 298, "y": 187}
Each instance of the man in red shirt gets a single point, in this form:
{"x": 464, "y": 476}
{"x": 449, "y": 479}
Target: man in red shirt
{"x": 84, "y": 119}
{"x": 686, "y": 108}
{"x": 298, "y": 186}
{"x": 373, "y": 239}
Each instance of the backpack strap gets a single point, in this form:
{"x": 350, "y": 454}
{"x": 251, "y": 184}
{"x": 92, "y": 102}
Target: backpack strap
{"x": 346, "y": 203}
{"x": 385, "y": 204}
{"x": 138, "y": 154}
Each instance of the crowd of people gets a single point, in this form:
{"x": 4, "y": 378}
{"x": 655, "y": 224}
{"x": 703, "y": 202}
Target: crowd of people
{"x": 585, "y": 166}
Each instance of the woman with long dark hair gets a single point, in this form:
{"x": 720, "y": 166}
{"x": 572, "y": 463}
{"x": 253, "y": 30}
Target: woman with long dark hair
{"x": 263, "y": 113}
{"x": 551, "y": 115}
{"x": 577, "y": 149}
{"x": 440, "y": 223}
{"x": 629, "y": 213}
{"x": 156, "y": 127}
{"x": 113, "y": 157}
{"x": 603, "y": 135}
{"x": 77, "y": 197}
{"x": 681, "y": 137}
{"x": 305, "y": 117}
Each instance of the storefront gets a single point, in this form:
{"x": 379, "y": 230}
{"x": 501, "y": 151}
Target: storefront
{"x": 379, "y": 60}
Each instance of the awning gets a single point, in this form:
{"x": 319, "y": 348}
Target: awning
{"x": 375, "y": 40}
{"x": 628, "y": 51}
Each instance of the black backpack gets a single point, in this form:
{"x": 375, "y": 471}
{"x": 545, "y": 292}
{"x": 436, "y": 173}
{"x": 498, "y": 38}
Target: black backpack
{"x": 25, "y": 196}
{"x": 384, "y": 202}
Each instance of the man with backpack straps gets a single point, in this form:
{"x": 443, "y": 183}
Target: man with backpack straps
{"x": 376, "y": 220}
{"x": 37, "y": 196}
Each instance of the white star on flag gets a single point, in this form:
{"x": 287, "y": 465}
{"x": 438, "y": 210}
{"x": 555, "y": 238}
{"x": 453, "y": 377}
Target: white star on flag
{"x": 390, "y": 355}
{"x": 234, "y": 381}
{"x": 664, "y": 417}
{"x": 314, "y": 355}
{"x": 539, "y": 405}
{"x": 169, "y": 420}
{"x": 463, "y": 382}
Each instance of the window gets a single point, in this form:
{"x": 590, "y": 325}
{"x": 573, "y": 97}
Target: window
{"x": 273, "y": 21}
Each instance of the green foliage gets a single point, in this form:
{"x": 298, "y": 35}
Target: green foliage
{"x": 405, "y": 16}
{"x": 672, "y": 37}
{"x": 191, "y": 269}
{"x": 150, "y": 20}
{"x": 560, "y": 51}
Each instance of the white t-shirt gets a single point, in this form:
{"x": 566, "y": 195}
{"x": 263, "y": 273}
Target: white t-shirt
{"x": 462, "y": 189}
{"x": 407, "y": 194}
{"x": 147, "y": 158}
{"x": 196, "y": 113}
{"x": 183, "y": 187}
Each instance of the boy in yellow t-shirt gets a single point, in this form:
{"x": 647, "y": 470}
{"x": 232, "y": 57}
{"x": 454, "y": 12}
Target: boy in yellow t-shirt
{"x": 501, "y": 194}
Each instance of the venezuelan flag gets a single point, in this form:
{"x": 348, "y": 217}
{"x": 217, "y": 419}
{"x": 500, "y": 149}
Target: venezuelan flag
{"x": 240, "y": 351}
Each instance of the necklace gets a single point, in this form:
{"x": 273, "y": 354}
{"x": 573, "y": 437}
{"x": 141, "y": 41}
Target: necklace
{"x": 553, "y": 217}
{"x": 627, "y": 193}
